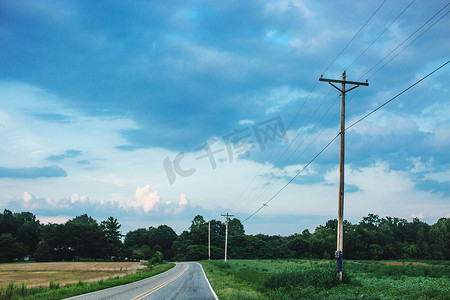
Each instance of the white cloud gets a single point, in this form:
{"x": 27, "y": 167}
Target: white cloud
{"x": 147, "y": 200}
{"x": 419, "y": 216}
{"x": 53, "y": 219}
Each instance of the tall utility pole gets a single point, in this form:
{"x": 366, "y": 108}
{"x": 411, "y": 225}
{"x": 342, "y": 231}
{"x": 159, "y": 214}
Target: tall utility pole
{"x": 340, "y": 229}
{"x": 209, "y": 240}
{"x": 226, "y": 234}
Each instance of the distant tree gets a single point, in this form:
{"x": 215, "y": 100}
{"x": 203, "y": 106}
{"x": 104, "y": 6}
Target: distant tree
{"x": 136, "y": 238}
{"x": 199, "y": 231}
{"x": 113, "y": 237}
{"x": 28, "y": 231}
{"x": 148, "y": 252}
{"x": 86, "y": 237}
{"x": 42, "y": 253}
{"x": 164, "y": 236}
{"x": 440, "y": 239}
{"x": 10, "y": 248}
{"x": 235, "y": 228}
{"x": 56, "y": 237}
{"x": 137, "y": 254}
{"x": 8, "y": 223}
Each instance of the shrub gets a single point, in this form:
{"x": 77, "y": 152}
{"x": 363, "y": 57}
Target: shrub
{"x": 319, "y": 278}
{"x": 157, "y": 259}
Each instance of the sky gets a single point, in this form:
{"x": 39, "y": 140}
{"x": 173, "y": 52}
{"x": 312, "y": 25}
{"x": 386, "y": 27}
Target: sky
{"x": 156, "y": 111}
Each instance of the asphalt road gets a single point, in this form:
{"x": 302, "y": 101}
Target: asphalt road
{"x": 184, "y": 281}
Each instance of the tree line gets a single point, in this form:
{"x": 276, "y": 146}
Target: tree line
{"x": 374, "y": 238}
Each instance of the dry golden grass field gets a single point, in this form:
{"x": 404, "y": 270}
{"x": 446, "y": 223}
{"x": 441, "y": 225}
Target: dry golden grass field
{"x": 36, "y": 274}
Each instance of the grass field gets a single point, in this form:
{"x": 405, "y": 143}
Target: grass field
{"x": 67, "y": 279}
{"x": 35, "y": 274}
{"x": 315, "y": 279}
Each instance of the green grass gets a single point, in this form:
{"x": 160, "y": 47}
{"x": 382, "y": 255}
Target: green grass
{"x": 55, "y": 291}
{"x": 315, "y": 279}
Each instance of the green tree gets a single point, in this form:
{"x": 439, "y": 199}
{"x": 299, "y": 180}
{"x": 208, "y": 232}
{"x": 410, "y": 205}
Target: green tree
{"x": 137, "y": 254}
{"x": 10, "y": 248}
{"x": 199, "y": 231}
{"x": 86, "y": 237}
{"x": 42, "y": 253}
{"x": 113, "y": 237}
{"x": 56, "y": 237}
{"x": 235, "y": 228}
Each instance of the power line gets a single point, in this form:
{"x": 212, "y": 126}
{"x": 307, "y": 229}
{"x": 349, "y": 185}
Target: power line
{"x": 290, "y": 125}
{"x": 279, "y": 142}
{"x": 381, "y": 34}
{"x": 295, "y": 176}
{"x": 347, "y": 128}
{"x": 354, "y": 36}
{"x": 298, "y": 111}
{"x": 393, "y": 98}
{"x": 398, "y": 46}
{"x": 408, "y": 45}
{"x": 268, "y": 185}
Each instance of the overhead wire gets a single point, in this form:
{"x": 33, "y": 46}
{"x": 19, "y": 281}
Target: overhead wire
{"x": 267, "y": 186}
{"x": 356, "y": 34}
{"x": 398, "y": 46}
{"x": 298, "y": 111}
{"x": 362, "y": 53}
{"x": 392, "y": 58}
{"x": 347, "y": 128}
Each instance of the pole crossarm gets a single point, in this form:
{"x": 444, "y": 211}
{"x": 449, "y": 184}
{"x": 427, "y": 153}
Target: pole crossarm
{"x": 344, "y": 81}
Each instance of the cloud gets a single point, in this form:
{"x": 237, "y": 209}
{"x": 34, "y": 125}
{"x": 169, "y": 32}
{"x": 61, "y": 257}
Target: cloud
{"x": 146, "y": 199}
{"x": 418, "y": 216}
{"x": 53, "y": 219}
{"x": 150, "y": 201}
{"x": 46, "y": 172}
{"x": 65, "y": 155}
{"x": 146, "y": 202}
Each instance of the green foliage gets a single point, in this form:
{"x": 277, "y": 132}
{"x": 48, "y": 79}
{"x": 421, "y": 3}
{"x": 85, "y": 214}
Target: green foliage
{"x": 156, "y": 239}
{"x": 158, "y": 258}
{"x": 137, "y": 254}
{"x": 86, "y": 237}
{"x": 42, "y": 253}
{"x": 82, "y": 237}
{"x": 316, "y": 279}
{"x": 10, "y": 248}
{"x": 53, "y": 285}
{"x": 113, "y": 237}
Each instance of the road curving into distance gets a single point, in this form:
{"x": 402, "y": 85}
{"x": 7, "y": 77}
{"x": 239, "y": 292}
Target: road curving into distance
{"x": 186, "y": 280}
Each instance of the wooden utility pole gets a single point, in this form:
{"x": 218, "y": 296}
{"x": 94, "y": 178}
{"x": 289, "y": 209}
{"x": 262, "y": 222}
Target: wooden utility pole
{"x": 209, "y": 240}
{"x": 340, "y": 229}
{"x": 226, "y": 234}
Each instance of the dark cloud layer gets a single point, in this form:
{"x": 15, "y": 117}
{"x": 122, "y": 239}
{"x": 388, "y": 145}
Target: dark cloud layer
{"x": 189, "y": 72}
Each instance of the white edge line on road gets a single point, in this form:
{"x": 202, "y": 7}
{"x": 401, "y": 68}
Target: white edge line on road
{"x": 212, "y": 290}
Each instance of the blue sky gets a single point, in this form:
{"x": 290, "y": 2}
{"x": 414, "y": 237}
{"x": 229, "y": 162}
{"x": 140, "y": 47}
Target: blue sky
{"x": 109, "y": 108}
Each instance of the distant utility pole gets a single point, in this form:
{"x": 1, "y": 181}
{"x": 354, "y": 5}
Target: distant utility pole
{"x": 209, "y": 240}
{"x": 226, "y": 234}
{"x": 340, "y": 229}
